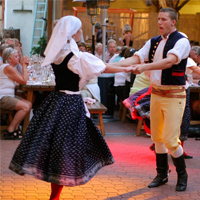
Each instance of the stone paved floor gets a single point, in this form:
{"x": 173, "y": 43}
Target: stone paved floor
{"x": 126, "y": 179}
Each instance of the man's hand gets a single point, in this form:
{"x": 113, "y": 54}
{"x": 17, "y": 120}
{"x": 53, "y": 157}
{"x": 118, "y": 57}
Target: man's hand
{"x": 138, "y": 69}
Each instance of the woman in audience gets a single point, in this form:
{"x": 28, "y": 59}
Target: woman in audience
{"x": 9, "y": 77}
{"x": 127, "y": 40}
{"x": 99, "y": 50}
{"x": 2, "y": 47}
{"x": 120, "y": 77}
{"x": 82, "y": 46}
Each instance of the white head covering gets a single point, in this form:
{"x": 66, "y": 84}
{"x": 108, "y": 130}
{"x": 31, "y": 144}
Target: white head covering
{"x": 64, "y": 30}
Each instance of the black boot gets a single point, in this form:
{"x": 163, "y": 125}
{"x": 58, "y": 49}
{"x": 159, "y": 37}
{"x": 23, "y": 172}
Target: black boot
{"x": 162, "y": 170}
{"x": 182, "y": 174}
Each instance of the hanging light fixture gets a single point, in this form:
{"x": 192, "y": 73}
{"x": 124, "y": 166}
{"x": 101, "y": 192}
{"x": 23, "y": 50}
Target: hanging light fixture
{"x": 92, "y": 8}
{"x": 103, "y": 4}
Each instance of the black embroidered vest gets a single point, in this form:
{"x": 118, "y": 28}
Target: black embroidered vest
{"x": 65, "y": 78}
{"x": 176, "y": 74}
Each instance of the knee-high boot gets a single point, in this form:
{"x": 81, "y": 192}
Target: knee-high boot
{"x": 162, "y": 170}
{"x": 181, "y": 171}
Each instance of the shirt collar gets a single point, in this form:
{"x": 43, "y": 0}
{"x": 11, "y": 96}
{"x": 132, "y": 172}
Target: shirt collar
{"x": 167, "y": 36}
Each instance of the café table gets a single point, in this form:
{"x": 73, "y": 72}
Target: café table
{"x": 30, "y": 89}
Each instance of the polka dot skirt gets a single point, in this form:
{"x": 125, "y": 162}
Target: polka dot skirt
{"x": 61, "y": 144}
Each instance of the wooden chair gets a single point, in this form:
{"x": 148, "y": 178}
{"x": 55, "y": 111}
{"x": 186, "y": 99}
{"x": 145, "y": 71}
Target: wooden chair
{"x": 10, "y": 114}
{"x": 121, "y": 109}
{"x": 122, "y": 112}
{"x": 139, "y": 127}
{"x": 122, "y": 115}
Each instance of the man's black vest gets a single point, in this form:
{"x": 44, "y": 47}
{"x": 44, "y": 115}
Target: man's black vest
{"x": 176, "y": 74}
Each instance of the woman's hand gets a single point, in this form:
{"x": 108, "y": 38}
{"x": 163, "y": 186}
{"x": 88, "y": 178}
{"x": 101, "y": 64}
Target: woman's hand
{"x": 128, "y": 69}
{"x": 25, "y": 61}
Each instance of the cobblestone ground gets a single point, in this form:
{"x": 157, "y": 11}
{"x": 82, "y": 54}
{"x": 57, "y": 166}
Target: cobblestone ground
{"x": 126, "y": 179}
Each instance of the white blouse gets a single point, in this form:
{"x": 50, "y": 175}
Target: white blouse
{"x": 7, "y": 85}
{"x": 86, "y": 65}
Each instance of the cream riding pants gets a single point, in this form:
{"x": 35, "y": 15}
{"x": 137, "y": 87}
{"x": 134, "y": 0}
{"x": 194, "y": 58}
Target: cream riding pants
{"x": 166, "y": 118}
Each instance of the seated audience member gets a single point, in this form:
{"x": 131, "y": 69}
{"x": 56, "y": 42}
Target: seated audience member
{"x": 9, "y": 76}
{"x": 2, "y": 47}
{"x": 119, "y": 49}
{"x": 123, "y": 81}
{"x": 98, "y": 50}
{"x": 195, "y": 55}
{"x": 111, "y": 52}
{"x": 120, "y": 77}
{"x": 92, "y": 90}
{"x": 194, "y": 52}
{"x": 127, "y": 39}
{"x": 196, "y": 103}
{"x": 130, "y": 77}
{"x": 16, "y": 44}
{"x": 82, "y": 46}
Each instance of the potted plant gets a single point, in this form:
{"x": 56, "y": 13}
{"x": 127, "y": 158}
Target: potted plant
{"x": 40, "y": 49}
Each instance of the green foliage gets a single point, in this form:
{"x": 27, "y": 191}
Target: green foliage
{"x": 40, "y": 49}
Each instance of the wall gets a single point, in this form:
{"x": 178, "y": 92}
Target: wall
{"x": 138, "y": 5}
{"x": 20, "y": 20}
{"x": 192, "y": 7}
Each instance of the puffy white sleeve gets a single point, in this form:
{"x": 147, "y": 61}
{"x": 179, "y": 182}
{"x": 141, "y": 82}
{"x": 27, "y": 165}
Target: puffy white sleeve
{"x": 143, "y": 53}
{"x": 87, "y": 66}
{"x": 181, "y": 49}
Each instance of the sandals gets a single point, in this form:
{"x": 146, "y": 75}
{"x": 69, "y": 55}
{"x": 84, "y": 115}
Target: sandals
{"x": 15, "y": 135}
{"x": 20, "y": 135}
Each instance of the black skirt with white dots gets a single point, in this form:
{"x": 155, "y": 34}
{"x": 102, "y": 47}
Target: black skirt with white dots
{"x": 61, "y": 144}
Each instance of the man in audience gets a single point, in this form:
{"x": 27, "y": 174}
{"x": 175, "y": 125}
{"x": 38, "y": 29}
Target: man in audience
{"x": 99, "y": 33}
{"x": 112, "y": 49}
{"x": 194, "y": 53}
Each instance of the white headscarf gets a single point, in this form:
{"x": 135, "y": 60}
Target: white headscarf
{"x": 64, "y": 30}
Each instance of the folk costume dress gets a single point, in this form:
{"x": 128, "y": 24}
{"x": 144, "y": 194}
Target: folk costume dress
{"x": 62, "y": 145}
